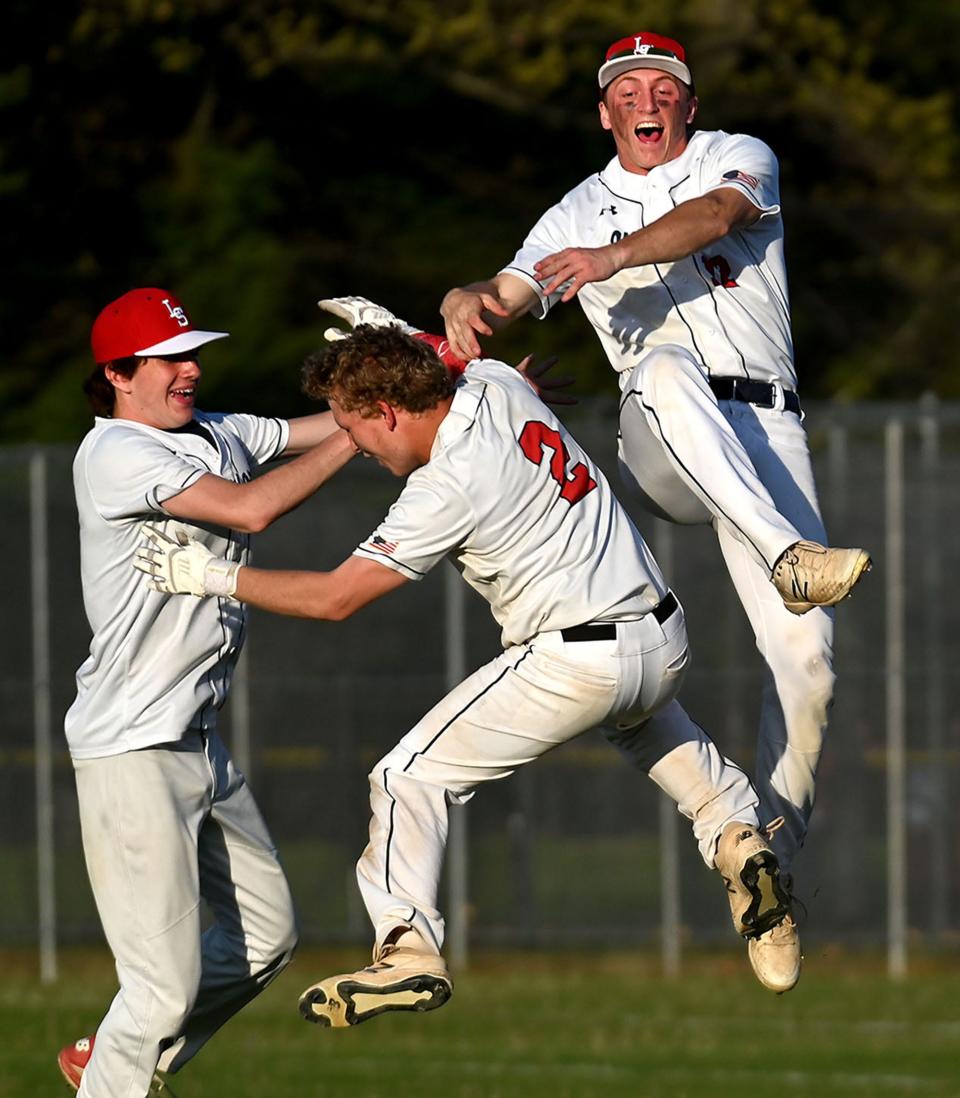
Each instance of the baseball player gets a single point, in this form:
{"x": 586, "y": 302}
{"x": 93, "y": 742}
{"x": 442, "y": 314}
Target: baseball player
{"x": 590, "y": 632}
{"x": 166, "y": 817}
{"x": 675, "y": 253}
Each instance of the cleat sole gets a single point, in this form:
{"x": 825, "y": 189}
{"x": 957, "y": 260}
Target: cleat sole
{"x": 350, "y": 1002}
{"x": 770, "y": 901}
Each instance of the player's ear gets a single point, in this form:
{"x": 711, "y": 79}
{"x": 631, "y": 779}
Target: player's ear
{"x": 604, "y": 115}
{"x": 388, "y": 414}
{"x": 117, "y": 380}
{"x": 692, "y": 108}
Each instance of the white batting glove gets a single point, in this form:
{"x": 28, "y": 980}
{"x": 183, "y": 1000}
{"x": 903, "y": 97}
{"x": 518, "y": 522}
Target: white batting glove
{"x": 182, "y": 566}
{"x": 358, "y": 310}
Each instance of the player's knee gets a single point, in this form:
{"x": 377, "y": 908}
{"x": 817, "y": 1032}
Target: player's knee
{"x": 805, "y": 688}
{"x": 662, "y": 370}
{"x": 817, "y": 678}
{"x": 392, "y": 764}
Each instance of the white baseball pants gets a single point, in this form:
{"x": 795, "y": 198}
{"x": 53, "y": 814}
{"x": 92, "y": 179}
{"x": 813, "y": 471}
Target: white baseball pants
{"x": 530, "y": 699}
{"x": 747, "y": 471}
{"x": 163, "y": 827}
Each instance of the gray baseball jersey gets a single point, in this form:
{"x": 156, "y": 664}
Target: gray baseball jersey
{"x": 529, "y": 519}
{"x": 727, "y": 304}
{"x": 158, "y": 665}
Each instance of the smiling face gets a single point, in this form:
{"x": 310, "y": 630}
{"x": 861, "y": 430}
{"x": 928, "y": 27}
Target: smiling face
{"x": 647, "y": 111}
{"x": 160, "y": 393}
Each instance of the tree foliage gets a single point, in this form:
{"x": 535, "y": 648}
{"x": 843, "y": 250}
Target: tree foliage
{"x": 257, "y": 155}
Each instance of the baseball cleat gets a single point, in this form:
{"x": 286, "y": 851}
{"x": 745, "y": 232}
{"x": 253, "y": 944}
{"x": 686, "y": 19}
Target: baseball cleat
{"x": 751, "y": 874}
{"x": 809, "y": 574}
{"x": 402, "y": 979}
{"x": 74, "y": 1058}
{"x": 775, "y": 956}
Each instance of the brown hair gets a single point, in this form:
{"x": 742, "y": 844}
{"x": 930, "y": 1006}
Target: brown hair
{"x": 100, "y": 393}
{"x": 378, "y": 363}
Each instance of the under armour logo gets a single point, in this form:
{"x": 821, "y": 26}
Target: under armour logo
{"x": 176, "y": 313}
{"x": 612, "y": 209}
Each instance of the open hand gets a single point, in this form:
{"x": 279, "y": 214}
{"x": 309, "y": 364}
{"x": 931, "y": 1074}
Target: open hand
{"x": 546, "y": 388}
{"x": 462, "y": 311}
{"x": 578, "y": 267}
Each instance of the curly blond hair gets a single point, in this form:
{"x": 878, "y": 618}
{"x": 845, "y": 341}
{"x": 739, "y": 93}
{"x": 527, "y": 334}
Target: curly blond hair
{"x": 378, "y": 363}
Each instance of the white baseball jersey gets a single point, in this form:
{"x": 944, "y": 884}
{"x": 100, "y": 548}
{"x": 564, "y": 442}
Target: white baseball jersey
{"x": 159, "y": 664}
{"x": 528, "y": 518}
{"x": 727, "y": 304}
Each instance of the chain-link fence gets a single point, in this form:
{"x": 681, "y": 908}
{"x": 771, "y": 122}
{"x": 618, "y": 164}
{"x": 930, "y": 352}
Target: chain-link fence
{"x": 576, "y": 848}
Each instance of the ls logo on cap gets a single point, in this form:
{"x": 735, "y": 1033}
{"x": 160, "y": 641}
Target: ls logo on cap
{"x": 177, "y": 313}
{"x": 639, "y": 46}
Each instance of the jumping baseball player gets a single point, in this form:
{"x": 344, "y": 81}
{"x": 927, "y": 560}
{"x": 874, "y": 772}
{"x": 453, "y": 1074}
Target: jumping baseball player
{"x": 166, "y": 817}
{"x": 591, "y": 635}
{"x": 675, "y": 253}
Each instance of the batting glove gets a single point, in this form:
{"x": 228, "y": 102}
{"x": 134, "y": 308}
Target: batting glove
{"x": 182, "y": 566}
{"x": 358, "y": 310}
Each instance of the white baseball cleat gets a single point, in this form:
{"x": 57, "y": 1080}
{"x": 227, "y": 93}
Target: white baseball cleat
{"x": 399, "y": 979}
{"x": 775, "y": 956}
{"x": 751, "y": 874}
{"x": 809, "y": 574}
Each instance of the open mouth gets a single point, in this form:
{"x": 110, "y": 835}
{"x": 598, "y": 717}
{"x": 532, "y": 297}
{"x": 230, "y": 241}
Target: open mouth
{"x": 649, "y": 132}
{"x": 185, "y": 394}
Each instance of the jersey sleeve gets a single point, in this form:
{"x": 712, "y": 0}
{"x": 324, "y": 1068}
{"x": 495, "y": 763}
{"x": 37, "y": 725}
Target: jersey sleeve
{"x": 747, "y": 165}
{"x": 264, "y": 437}
{"x": 550, "y": 234}
{"x": 429, "y": 520}
{"x": 130, "y": 473}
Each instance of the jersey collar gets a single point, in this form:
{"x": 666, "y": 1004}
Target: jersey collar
{"x": 461, "y": 416}
{"x": 633, "y": 185}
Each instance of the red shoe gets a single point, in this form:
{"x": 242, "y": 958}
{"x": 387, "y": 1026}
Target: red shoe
{"x": 73, "y": 1059}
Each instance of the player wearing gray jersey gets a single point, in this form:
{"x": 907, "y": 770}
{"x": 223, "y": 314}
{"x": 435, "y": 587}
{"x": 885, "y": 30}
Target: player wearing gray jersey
{"x": 591, "y": 636}
{"x": 675, "y": 252}
{"x": 166, "y": 817}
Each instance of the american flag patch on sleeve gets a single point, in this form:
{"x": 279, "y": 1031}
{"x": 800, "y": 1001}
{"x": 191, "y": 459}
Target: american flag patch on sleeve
{"x": 381, "y": 545}
{"x": 737, "y": 176}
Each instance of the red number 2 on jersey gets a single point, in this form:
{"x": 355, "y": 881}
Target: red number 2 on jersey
{"x": 537, "y": 437}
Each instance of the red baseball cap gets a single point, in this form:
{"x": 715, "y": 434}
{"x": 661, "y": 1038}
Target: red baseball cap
{"x": 147, "y": 322}
{"x": 645, "y": 51}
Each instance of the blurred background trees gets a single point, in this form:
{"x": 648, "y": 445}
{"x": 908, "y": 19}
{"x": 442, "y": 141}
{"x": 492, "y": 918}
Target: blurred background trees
{"x": 257, "y": 155}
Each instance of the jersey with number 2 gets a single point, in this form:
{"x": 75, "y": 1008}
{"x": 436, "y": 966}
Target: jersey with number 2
{"x": 527, "y": 517}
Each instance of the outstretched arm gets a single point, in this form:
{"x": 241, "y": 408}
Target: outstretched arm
{"x": 180, "y": 565}
{"x": 681, "y": 232}
{"x": 360, "y": 310}
{"x": 309, "y": 431}
{"x": 331, "y": 596}
{"x": 253, "y": 506}
{"x": 483, "y": 307}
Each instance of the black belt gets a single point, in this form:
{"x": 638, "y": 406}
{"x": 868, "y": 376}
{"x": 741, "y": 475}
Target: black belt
{"x": 761, "y": 393}
{"x": 607, "y": 630}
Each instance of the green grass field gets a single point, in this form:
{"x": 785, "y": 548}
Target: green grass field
{"x": 542, "y": 1026}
